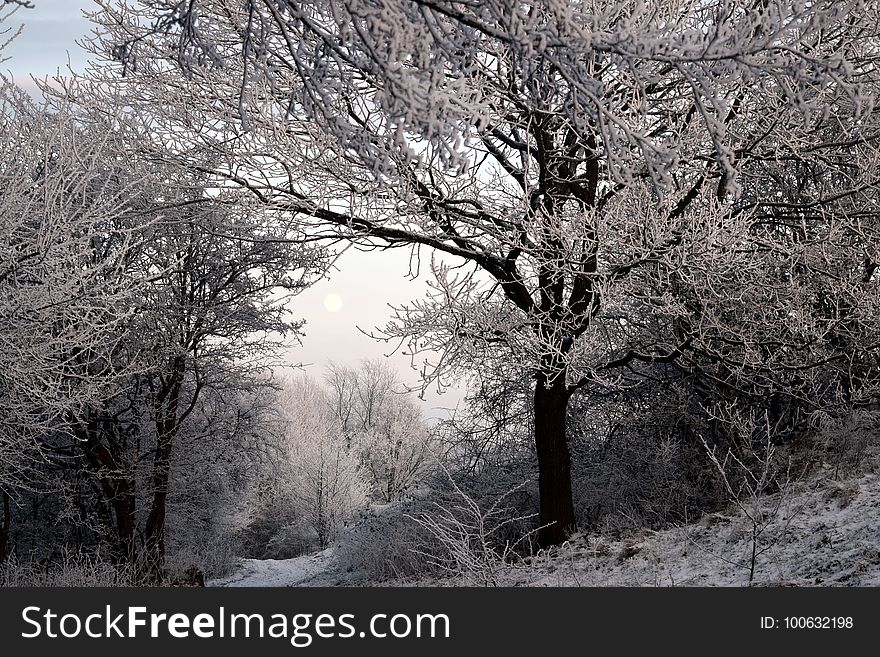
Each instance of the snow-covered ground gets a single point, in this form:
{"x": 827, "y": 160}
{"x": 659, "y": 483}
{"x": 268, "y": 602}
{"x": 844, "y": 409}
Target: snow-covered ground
{"x": 309, "y": 570}
{"x": 826, "y": 533}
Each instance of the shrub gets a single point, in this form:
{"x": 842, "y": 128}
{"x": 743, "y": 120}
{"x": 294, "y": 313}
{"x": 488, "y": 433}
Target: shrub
{"x": 68, "y": 569}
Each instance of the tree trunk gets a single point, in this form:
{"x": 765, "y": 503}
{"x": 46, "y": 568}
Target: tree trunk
{"x": 4, "y": 527}
{"x": 167, "y": 425}
{"x": 124, "y": 507}
{"x": 155, "y": 528}
{"x": 117, "y": 486}
{"x": 557, "y": 518}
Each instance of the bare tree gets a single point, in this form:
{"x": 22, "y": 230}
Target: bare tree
{"x": 752, "y": 476}
{"x": 609, "y": 183}
{"x": 206, "y": 323}
{"x": 65, "y": 291}
{"x": 383, "y": 425}
{"x": 324, "y": 473}
{"x": 126, "y": 292}
{"x": 221, "y": 455}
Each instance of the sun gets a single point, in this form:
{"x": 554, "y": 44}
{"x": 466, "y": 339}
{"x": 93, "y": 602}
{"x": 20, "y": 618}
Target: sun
{"x": 333, "y": 303}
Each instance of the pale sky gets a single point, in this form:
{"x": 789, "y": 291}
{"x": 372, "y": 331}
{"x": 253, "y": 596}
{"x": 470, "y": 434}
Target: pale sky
{"x": 357, "y": 295}
{"x": 50, "y": 33}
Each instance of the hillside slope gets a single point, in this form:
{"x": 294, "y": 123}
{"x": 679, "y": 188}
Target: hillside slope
{"x": 826, "y": 533}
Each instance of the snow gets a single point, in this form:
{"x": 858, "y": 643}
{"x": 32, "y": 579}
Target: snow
{"x": 308, "y": 570}
{"x": 827, "y": 533}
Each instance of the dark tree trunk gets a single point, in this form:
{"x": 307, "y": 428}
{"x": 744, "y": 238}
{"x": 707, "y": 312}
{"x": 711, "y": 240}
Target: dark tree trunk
{"x": 557, "y": 518}
{"x": 117, "y": 487}
{"x": 124, "y": 508}
{"x": 155, "y": 527}
{"x": 4, "y": 527}
{"x": 167, "y": 424}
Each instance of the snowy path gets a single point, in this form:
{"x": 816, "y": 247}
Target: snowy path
{"x": 308, "y": 570}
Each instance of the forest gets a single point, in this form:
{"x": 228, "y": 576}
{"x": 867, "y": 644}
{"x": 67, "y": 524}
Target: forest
{"x": 650, "y": 235}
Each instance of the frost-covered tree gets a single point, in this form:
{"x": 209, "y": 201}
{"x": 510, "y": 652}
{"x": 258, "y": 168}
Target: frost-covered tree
{"x": 220, "y": 455}
{"x": 324, "y": 472}
{"x": 126, "y": 291}
{"x": 613, "y": 185}
{"x": 383, "y": 425}
{"x": 212, "y": 319}
{"x": 65, "y": 290}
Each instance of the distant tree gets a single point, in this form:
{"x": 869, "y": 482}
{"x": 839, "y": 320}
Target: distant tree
{"x": 614, "y": 185}
{"x": 383, "y": 425}
{"x": 325, "y": 478}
